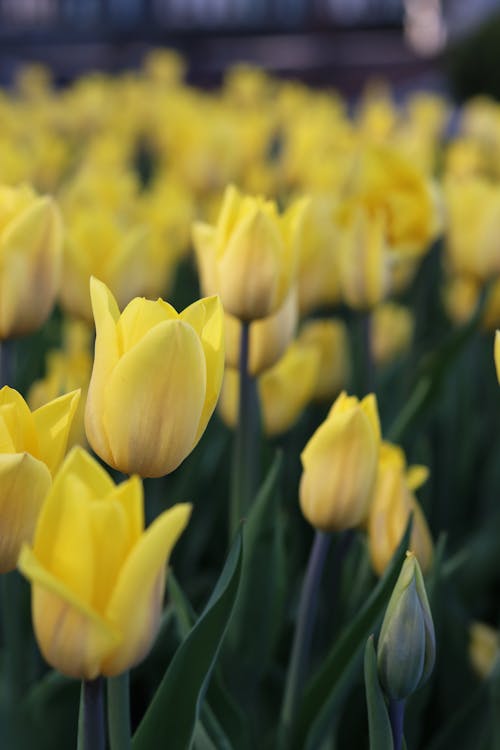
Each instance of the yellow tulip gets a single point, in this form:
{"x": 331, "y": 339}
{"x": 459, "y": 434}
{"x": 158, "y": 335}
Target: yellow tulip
{"x": 31, "y": 251}
{"x": 155, "y": 381}
{"x": 32, "y": 445}
{"x": 97, "y": 577}
{"x": 284, "y": 390}
{"x": 340, "y": 464}
{"x": 460, "y": 298}
{"x": 269, "y": 337}
{"x": 473, "y": 227}
{"x": 250, "y": 256}
{"x": 391, "y": 332}
{"x": 98, "y": 245}
{"x": 67, "y": 369}
{"x": 393, "y": 501}
{"x": 364, "y": 261}
{"x": 484, "y": 648}
{"x": 330, "y": 339}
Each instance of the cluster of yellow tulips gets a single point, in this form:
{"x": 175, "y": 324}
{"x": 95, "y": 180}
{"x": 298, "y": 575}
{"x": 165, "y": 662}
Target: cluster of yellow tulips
{"x": 308, "y": 225}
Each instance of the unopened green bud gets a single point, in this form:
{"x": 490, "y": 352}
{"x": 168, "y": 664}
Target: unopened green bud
{"x": 406, "y": 647}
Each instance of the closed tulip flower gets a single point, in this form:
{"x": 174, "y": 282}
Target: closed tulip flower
{"x": 155, "y": 381}
{"x": 32, "y": 447}
{"x": 391, "y": 333}
{"x": 340, "y": 464}
{"x": 484, "y": 648}
{"x": 31, "y": 249}
{"x": 393, "y": 502}
{"x": 269, "y": 337}
{"x": 97, "y": 577}
{"x": 249, "y": 258}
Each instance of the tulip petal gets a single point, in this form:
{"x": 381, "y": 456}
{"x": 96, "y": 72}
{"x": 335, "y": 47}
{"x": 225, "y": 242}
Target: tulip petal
{"x": 139, "y": 317}
{"x": 154, "y": 400}
{"x": 77, "y": 463}
{"x": 204, "y": 245}
{"x": 53, "y": 423}
{"x": 135, "y": 606}
{"x": 19, "y": 421}
{"x": 72, "y": 636}
{"x": 24, "y": 484}
{"x": 206, "y": 316}
{"x": 106, "y": 316}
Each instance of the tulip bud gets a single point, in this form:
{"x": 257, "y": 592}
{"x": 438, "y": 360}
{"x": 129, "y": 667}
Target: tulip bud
{"x": 406, "y": 647}
{"x": 249, "y": 258}
{"x": 31, "y": 249}
{"x": 391, "y": 332}
{"x": 484, "y": 648}
{"x": 340, "y": 464}
{"x": 97, "y": 577}
{"x": 155, "y": 382}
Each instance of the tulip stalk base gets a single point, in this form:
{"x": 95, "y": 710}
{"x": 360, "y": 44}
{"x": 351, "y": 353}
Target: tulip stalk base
{"x": 245, "y": 458}
{"x": 303, "y": 633}
{"x": 118, "y": 695}
{"x": 91, "y": 720}
{"x": 396, "y": 715}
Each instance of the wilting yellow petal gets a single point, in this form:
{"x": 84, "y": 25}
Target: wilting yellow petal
{"x": 135, "y": 606}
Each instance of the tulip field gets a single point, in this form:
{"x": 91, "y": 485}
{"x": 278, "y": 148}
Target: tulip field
{"x": 249, "y": 415}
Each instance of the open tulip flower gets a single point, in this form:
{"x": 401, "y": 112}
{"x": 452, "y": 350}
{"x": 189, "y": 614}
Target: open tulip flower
{"x": 32, "y": 446}
{"x": 155, "y": 382}
{"x": 97, "y": 576}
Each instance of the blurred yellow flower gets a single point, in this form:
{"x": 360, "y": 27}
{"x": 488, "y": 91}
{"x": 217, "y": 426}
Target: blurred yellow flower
{"x": 98, "y": 578}
{"x": 340, "y": 464}
{"x": 330, "y": 339}
{"x": 31, "y": 248}
{"x": 250, "y": 256}
{"x": 284, "y": 390}
{"x": 484, "y": 648}
{"x": 155, "y": 381}
{"x": 391, "y": 332}
{"x": 32, "y": 445}
{"x": 269, "y": 337}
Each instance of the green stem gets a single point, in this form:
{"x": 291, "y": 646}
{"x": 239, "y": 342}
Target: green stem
{"x": 91, "y": 717}
{"x": 12, "y": 634}
{"x": 303, "y": 634}
{"x": 118, "y": 693}
{"x": 244, "y": 479}
{"x": 396, "y": 715}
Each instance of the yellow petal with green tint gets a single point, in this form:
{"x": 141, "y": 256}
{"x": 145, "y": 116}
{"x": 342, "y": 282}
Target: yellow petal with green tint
{"x": 106, "y": 316}
{"x": 24, "y": 484}
{"x": 19, "y": 421}
{"x": 53, "y": 423}
{"x": 78, "y": 463}
{"x": 72, "y": 636}
{"x": 206, "y": 316}
{"x": 139, "y": 317}
{"x": 155, "y": 399}
{"x": 135, "y": 606}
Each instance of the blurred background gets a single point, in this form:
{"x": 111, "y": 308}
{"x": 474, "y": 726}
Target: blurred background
{"x": 444, "y": 44}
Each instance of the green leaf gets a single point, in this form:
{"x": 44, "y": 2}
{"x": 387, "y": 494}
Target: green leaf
{"x": 171, "y": 717}
{"x": 253, "y": 628}
{"x": 335, "y": 676}
{"x": 465, "y": 727}
{"x": 379, "y": 724}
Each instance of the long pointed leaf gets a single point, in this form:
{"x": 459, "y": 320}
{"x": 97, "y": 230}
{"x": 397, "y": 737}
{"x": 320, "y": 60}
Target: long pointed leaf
{"x": 379, "y": 723}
